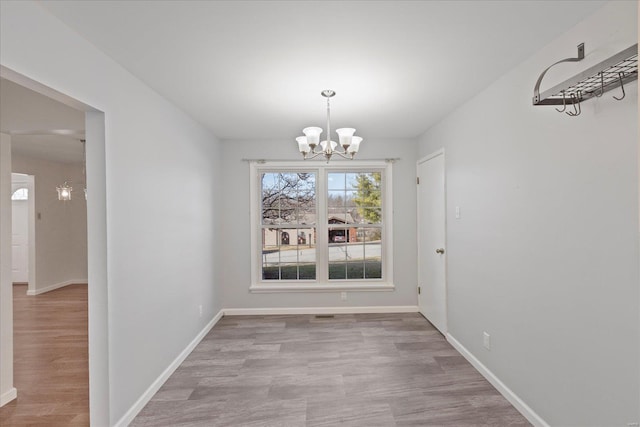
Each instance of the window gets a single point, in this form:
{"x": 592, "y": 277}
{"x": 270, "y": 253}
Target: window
{"x": 288, "y": 208}
{"x": 321, "y": 227}
{"x": 354, "y": 218}
{"x": 20, "y": 194}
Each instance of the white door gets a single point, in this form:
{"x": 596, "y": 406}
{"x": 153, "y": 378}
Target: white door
{"x": 432, "y": 297}
{"x": 19, "y": 229}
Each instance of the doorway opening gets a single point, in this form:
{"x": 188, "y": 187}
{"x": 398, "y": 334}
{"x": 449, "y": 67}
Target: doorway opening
{"x": 22, "y": 229}
{"x": 25, "y": 142}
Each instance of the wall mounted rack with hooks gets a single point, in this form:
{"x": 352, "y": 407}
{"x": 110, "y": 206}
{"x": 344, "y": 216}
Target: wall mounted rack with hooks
{"x": 614, "y": 72}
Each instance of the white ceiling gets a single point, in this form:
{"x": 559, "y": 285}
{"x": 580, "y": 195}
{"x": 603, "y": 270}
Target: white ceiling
{"x": 39, "y": 126}
{"x": 54, "y": 148}
{"x": 255, "y": 69}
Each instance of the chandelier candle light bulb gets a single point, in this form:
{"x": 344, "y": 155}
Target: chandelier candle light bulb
{"x": 307, "y": 144}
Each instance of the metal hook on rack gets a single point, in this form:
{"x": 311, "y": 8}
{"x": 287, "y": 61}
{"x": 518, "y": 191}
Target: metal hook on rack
{"x": 564, "y": 104}
{"x": 620, "y": 76}
{"x": 601, "y": 85}
{"x": 577, "y": 110}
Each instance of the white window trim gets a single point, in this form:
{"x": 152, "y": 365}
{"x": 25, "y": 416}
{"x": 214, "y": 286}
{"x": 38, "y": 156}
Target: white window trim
{"x": 321, "y": 284}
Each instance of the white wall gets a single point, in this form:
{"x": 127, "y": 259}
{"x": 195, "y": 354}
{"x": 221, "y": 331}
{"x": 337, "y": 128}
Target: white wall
{"x": 7, "y": 391}
{"x": 161, "y": 207}
{"x": 61, "y": 228}
{"x": 545, "y": 254}
{"x": 237, "y": 239}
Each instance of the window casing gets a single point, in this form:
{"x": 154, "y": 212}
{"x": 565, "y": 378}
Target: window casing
{"x": 321, "y": 227}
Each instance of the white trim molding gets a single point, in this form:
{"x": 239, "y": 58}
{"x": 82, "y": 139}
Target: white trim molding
{"x": 320, "y": 310}
{"x": 350, "y": 287}
{"x": 56, "y": 286}
{"x": 128, "y": 417}
{"x": 322, "y": 281}
{"x": 513, "y": 398}
{"x": 8, "y": 396}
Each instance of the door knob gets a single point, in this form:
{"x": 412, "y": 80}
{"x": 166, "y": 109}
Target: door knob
{"x": 440, "y": 251}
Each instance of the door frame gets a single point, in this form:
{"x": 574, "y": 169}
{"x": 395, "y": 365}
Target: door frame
{"x": 31, "y": 209}
{"x": 439, "y": 152}
{"x": 97, "y": 253}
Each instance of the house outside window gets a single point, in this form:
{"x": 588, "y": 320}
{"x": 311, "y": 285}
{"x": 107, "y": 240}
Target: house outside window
{"x": 321, "y": 227}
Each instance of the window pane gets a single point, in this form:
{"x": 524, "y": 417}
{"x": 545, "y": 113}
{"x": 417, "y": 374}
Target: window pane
{"x": 337, "y": 270}
{"x": 372, "y": 235}
{"x": 335, "y": 181}
{"x": 366, "y": 197}
{"x": 20, "y": 194}
{"x": 373, "y": 253}
{"x": 288, "y": 254}
{"x": 351, "y": 181}
{"x": 306, "y": 215}
{"x": 335, "y": 199}
{"x": 307, "y": 271}
{"x": 335, "y": 207}
{"x": 270, "y": 263}
{"x": 337, "y": 256}
{"x": 350, "y": 198}
{"x": 355, "y": 257}
{"x": 373, "y": 269}
{"x": 370, "y": 215}
{"x": 338, "y": 235}
{"x": 354, "y": 198}
{"x": 288, "y": 198}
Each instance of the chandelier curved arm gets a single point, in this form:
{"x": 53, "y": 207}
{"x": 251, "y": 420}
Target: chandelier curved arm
{"x": 314, "y": 154}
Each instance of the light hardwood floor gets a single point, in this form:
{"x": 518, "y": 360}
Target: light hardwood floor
{"x": 51, "y": 369}
{"x": 350, "y": 370}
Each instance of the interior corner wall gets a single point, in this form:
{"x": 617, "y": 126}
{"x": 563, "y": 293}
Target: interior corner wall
{"x": 61, "y": 227}
{"x": 545, "y": 255}
{"x": 161, "y": 202}
{"x": 237, "y": 239}
{"x": 7, "y": 391}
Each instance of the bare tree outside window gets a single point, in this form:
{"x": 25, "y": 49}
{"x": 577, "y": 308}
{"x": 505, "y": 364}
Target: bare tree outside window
{"x": 287, "y": 197}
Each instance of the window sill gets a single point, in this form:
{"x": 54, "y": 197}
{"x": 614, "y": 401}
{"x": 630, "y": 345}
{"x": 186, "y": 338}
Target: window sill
{"x": 340, "y": 287}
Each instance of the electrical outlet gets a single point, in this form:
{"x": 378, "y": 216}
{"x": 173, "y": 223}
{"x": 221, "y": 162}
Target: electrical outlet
{"x": 343, "y": 296}
{"x": 200, "y": 309}
{"x": 486, "y": 341}
{"x": 457, "y": 212}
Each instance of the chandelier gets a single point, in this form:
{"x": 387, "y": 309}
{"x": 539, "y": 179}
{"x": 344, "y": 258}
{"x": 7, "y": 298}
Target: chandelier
{"x": 64, "y": 191}
{"x": 308, "y": 144}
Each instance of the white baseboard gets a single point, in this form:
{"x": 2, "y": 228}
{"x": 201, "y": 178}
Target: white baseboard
{"x": 164, "y": 376}
{"x": 518, "y": 403}
{"x": 8, "y": 396}
{"x": 56, "y": 286}
{"x": 320, "y": 310}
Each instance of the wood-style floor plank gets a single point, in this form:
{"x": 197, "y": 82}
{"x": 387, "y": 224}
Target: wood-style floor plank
{"x": 51, "y": 370}
{"x": 350, "y": 370}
